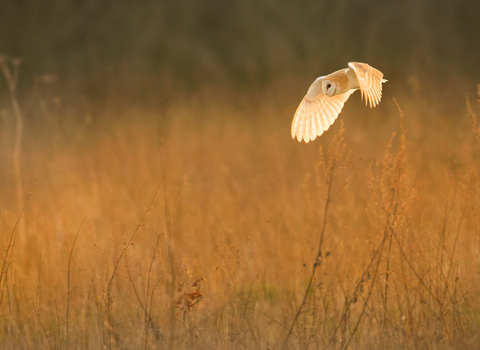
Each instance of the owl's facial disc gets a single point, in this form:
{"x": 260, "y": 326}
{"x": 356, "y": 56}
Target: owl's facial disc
{"x": 329, "y": 88}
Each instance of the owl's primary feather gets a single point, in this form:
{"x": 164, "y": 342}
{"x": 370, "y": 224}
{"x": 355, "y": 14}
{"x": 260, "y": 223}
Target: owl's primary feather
{"x": 370, "y": 81}
{"x": 327, "y": 95}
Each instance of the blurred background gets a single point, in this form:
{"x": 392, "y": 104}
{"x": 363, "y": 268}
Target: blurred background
{"x": 100, "y": 48}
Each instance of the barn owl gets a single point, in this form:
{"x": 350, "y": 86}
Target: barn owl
{"x": 327, "y": 95}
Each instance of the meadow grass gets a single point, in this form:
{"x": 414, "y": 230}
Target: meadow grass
{"x": 231, "y": 235}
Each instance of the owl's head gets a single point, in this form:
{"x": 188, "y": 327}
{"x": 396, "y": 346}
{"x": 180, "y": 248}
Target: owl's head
{"x": 329, "y": 87}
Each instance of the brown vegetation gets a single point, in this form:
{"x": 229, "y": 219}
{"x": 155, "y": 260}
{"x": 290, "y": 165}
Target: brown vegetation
{"x": 213, "y": 229}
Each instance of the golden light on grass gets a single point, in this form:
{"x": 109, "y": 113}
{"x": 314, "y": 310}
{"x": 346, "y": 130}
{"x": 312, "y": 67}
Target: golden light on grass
{"x": 375, "y": 246}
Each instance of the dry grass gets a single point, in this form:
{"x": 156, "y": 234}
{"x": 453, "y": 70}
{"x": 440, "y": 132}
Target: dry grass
{"x": 387, "y": 223}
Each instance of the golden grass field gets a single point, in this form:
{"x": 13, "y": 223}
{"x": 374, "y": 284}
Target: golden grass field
{"x": 209, "y": 241}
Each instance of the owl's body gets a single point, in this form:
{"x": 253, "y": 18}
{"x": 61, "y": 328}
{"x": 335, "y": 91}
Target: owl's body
{"x": 327, "y": 95}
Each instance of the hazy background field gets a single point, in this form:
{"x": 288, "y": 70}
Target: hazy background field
{"x": 205, "y": 237}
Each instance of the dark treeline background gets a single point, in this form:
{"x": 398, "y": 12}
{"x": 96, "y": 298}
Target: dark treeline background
{"x": 103, "y": 47}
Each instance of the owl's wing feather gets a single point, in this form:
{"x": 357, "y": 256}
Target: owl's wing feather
{"x": 316, "y": 112}
{"x": 370, "y": 81}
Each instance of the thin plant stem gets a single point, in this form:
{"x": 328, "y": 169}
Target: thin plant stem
{"x": 68, "y": 283}
{"x": 168, "y": 218}
{"x": 335, "y": 151}
{"x": 110, "y": 282}
{"x": 8, "y": 257}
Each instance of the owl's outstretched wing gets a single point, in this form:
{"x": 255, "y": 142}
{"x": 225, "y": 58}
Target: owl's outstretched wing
{"x": 370, "y": 81}
{"x": 316, "y": 112}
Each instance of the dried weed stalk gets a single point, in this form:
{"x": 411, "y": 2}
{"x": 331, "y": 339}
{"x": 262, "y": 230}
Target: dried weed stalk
{"x": 8, "y": 255}
{"x": 146, "y": 303}
{"x": 169, "y": 223}
{"x": 337, "y": 157}
{"x": 392, "y": 193}
{"x": 67, "y": 339}
{"x": 109, "y": 323}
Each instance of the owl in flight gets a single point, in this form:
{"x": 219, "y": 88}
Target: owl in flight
{"x": 326, "y": 96}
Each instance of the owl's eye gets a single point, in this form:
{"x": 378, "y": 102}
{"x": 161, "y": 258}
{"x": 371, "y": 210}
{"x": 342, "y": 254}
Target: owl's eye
{"x": 329, "y": 86}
